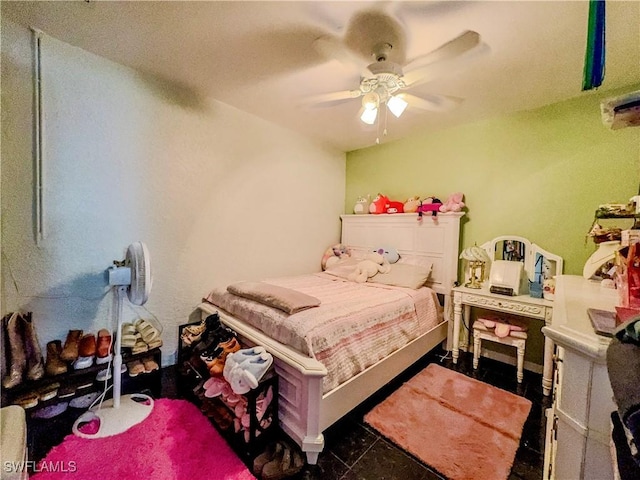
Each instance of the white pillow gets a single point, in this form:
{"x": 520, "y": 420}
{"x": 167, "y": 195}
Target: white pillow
{"x": 404, "y": 275}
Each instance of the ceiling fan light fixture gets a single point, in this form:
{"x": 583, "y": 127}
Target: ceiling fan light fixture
{"x": 369, "y": 115}
{"x": 397, "y": 105}
{"x": 370, "y": 101}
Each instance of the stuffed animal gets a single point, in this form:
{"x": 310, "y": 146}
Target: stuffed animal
{"x": 454, "y": 203}
{"x": 362, "y": 205}
{"x": 394, "y": 207}
{"x": 334, "y": 254}
{"x": 502, "y": 327}
{"x": 390, "y": 254}
{"x": 429, "y": 204}
{"x": 379, "y": 204}
{"x": 411, "y": 205}
{"x": 372, "y": 264}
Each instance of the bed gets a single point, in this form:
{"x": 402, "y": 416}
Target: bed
{"x": 310, "y": 397}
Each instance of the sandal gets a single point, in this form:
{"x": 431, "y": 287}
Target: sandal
{"x": 129, "y": 335}
{"x": 193, "y": 333}
{"x": 154, "y": 344}
{"x": 139, "y": 347}
{"x": 148, "y": 332}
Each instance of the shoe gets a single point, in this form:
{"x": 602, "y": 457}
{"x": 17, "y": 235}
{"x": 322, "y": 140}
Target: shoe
{"x": 135, "y": 368}
{"x": 35, "y": 362}
{"x": 86, "y": 352}
{"x": 27, "y": 401}
{"x": 147, "y": 331}
{"x": 105, "y": 374}
{"x": 139, "y": 347}
{"x": 265, "y": 457}
{"x": 84, "y": 401}
{"x": 48, "y": 392}
{"x": 193, "y": 333}
{"x": 150, "y": 365}
{"x": 215, "y": 333}
{"x": 66, "y": 391}
{"x": 129, "y": 335}
{"x": 154, "y": 344}
{"x": 103, "y": 347}
{"x": 54, "y": 364}
{"x": 17, "y": 360}
{"x": 51, "y": 410}
{"x": 216, "y": 368}
{"x": 284, "y": 464}
{"x": 82, "y": 362}
{"x": 87, "y": 346}
{"x": 70, "y": 350}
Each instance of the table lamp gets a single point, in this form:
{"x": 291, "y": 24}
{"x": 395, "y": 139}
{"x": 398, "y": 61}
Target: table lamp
{"x": 476, "y": 258}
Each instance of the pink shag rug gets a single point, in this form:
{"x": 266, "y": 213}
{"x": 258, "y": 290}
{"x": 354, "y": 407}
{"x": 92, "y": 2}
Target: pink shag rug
{"x": 175, "y": 442}
{"x": 463, "y": 428}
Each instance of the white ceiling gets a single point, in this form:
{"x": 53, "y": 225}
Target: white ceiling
{"x": 259, "y": 57}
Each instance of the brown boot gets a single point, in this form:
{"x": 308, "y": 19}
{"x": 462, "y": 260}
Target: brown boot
{"x": 70, "y": 350}
{"x": 55, "y": 365}
{"x": 17, "y": 360}
{"x": 35, "y": 362}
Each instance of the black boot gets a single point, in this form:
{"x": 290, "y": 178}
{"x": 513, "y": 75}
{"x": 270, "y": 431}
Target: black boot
{"x": 214, "y": 334}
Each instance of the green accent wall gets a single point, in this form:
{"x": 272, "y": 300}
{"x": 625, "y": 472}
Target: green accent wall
{"x": 539, "y": 174}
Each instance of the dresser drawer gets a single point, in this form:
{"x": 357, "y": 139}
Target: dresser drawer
{"x": 508, "y": 306}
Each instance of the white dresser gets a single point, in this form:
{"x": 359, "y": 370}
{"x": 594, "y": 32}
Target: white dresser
{"x": 578, "y": 426}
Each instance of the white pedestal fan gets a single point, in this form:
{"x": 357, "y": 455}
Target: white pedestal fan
{"x": 131, "y": 278}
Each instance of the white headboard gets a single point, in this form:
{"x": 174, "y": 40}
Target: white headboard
{"x": 436, "y": 240}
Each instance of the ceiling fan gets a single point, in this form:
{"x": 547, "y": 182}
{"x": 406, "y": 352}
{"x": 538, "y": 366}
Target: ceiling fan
{"x": 384, "y": 81}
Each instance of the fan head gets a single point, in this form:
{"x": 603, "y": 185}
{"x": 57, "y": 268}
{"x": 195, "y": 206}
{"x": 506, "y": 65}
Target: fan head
{"x": 137, "y": 259}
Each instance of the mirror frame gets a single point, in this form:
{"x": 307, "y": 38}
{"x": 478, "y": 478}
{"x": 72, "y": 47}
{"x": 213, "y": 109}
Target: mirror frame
{"x": 532, "y": 253}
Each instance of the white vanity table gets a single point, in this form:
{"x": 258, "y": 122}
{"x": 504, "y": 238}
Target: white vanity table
{"x": 537, "y": 263}
{"x": 522, "y": 306}
{"x": 578, "y": 424}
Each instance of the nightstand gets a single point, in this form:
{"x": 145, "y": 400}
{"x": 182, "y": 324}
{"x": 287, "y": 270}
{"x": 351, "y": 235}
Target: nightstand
{"x": 521, "y": 306}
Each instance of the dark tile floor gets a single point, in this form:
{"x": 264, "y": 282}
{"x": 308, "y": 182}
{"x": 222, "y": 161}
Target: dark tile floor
{"x": 354, "y": 451}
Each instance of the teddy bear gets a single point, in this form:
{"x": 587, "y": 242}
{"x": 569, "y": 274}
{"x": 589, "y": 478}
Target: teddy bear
{"x": 372, "y": 264}
{"x": 412, "y": 204}
{"x": 454, "y": 203}
{"x": 334, "y": 254}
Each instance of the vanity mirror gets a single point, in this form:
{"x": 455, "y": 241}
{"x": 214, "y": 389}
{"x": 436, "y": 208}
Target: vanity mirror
{"x": 539, "y": 266}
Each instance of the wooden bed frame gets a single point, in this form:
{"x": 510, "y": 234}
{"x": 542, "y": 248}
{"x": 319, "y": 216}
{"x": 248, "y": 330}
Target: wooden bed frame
{"x": 304, "y": 411}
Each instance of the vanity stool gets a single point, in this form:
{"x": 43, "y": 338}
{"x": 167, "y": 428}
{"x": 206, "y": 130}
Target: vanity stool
{"x": 501, "y": 331}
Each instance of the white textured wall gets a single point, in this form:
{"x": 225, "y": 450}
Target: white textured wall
{"x": 216, "y": 194}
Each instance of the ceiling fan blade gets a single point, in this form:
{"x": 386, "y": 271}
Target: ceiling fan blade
{"x": 445, "y": 66}
{"x": 432, "y": 102}
{"x": 331, "y": 97}
{"x": 463, "y": 43}
{"x": 334, "y": 48}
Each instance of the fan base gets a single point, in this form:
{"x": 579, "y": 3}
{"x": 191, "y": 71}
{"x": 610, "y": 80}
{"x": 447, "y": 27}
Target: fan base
{"x": 107, "y": 420}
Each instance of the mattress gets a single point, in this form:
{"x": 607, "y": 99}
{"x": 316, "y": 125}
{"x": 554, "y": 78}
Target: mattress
{"x": 355, "y": 326}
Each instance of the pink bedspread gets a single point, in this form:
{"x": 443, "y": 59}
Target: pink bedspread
{"x": 355, "y": 326}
